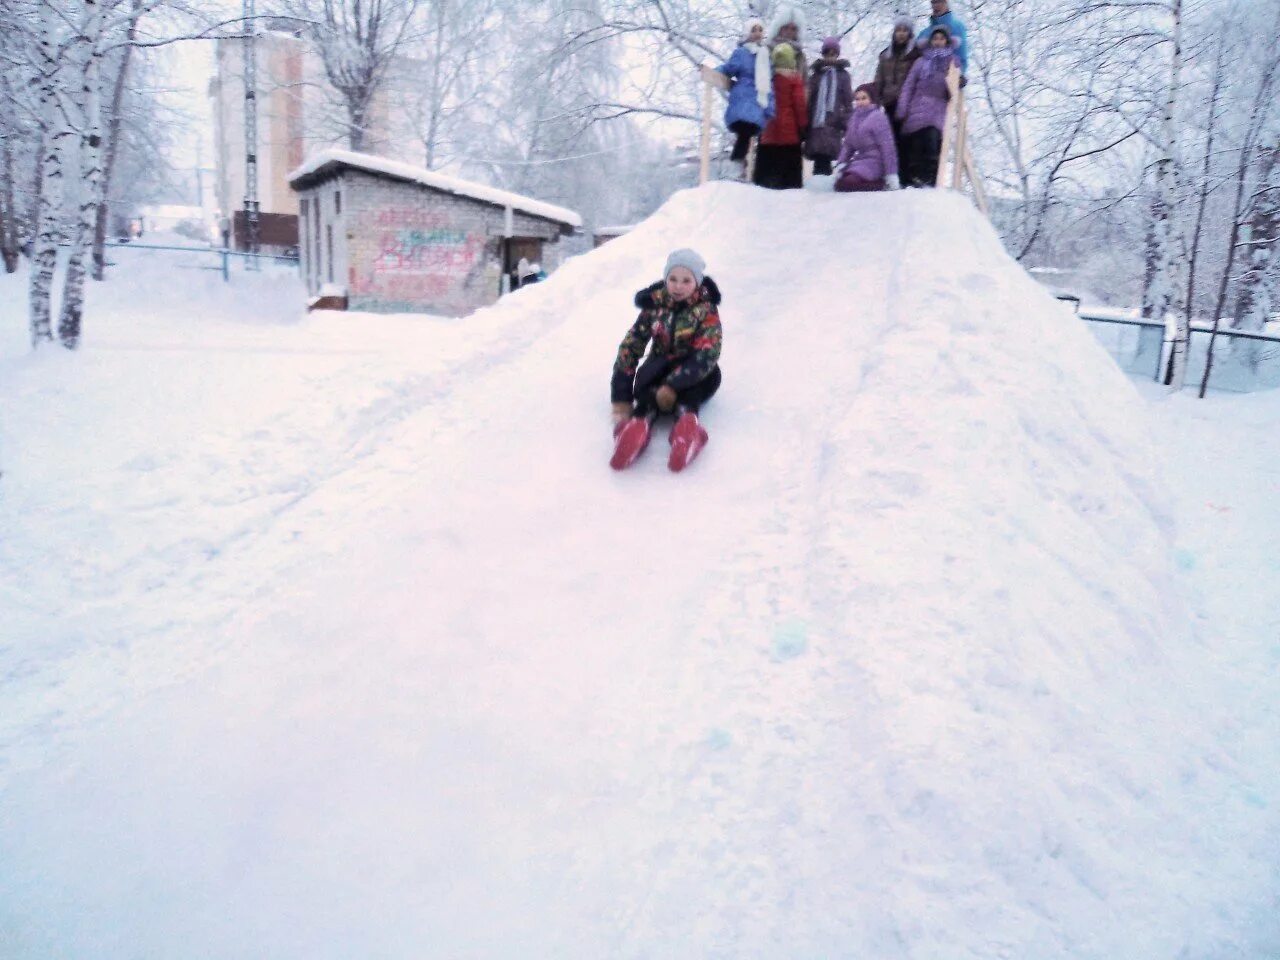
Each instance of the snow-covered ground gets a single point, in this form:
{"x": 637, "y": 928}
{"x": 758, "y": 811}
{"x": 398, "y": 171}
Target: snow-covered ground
{"x": 334, "y": 636}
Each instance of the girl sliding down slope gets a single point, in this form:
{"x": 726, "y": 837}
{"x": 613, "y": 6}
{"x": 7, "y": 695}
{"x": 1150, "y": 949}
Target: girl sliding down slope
{"x": 679, "y": 315}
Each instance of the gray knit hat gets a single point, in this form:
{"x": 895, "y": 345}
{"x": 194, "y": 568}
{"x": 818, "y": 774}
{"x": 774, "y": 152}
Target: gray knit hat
{"x": 690, "y": 260}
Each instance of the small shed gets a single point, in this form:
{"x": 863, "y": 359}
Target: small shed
{"x": 401, "y": 238}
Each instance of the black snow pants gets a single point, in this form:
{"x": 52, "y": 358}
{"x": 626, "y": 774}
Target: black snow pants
{"x": 745, "y": 132}
{"x": 646, "y": 402}
{"x": 920, "y": 153}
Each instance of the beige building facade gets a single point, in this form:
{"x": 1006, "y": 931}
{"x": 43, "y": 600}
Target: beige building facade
{"x": 298, "y": 114}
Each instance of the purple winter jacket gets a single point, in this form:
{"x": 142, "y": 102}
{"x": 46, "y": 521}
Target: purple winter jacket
{"x": 924, "y": 97}
{"x": 868, "y": 145}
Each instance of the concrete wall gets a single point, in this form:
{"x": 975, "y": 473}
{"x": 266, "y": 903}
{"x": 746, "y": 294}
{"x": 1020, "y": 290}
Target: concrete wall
{"x": 401, "y": 247}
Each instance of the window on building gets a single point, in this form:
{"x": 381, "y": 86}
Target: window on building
{"x": 328, "y": 234}
{"x": 337, "y": 201}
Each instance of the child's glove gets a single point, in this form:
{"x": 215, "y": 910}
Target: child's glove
{"x": 621, "y": 411}
{"x": 892, "y": 182}
{"x": 666, "y": 399}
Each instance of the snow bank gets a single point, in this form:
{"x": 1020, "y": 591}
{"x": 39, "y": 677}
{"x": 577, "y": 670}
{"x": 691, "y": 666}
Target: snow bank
{"x": 901, "y": 667}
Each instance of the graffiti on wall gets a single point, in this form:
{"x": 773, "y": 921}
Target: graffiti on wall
{"x": 421, "y": 255}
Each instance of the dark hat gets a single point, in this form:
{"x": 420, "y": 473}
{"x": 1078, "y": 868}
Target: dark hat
{"x": 869, "y": 90}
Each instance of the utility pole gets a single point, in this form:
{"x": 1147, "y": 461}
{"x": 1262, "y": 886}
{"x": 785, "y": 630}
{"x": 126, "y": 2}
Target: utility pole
{"x": 251, "y": 135}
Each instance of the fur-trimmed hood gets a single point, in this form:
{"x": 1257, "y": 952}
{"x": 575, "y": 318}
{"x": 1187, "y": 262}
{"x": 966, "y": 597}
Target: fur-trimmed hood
{"x": 653, "y": 296}
{"x": 927, "y": 34}
{"x": 819, "y": 65}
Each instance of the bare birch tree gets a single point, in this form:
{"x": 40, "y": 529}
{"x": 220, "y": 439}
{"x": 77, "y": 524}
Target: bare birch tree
{"x": 55, "y": 135}
{"x": 357, "y": 42}
{"x": 82, "y": 114}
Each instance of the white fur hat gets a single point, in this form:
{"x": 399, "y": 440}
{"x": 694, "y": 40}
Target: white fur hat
{"x": 787, "y": 13}
{"x": 750, "y": 25}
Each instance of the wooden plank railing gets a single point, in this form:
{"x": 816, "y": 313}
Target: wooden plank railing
{"x": 712, "y": 80}
{"x": 956, "y": 163}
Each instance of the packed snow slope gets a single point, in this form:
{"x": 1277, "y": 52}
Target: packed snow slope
{"x": 310, "y": 656}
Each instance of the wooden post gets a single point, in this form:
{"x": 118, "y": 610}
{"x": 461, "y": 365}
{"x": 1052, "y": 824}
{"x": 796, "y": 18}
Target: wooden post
{"x": 704, "y": 165}
{"x": 948, "y": 135}
{"x": 962, "y": 142}
{"x": 711, "y": 79}
{"x": 975, "y": 181}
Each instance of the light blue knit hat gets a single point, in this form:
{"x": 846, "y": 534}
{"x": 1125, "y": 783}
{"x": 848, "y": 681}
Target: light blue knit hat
{"x": 690, "y": 260}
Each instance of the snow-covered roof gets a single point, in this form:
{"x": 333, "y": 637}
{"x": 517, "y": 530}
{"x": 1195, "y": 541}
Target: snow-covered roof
{"x": 614, "y": 231}
{"x": 328, "y": 159}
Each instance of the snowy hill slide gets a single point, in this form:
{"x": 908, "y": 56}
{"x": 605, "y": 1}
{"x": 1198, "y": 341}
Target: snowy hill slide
{"x": 896, "y": 669}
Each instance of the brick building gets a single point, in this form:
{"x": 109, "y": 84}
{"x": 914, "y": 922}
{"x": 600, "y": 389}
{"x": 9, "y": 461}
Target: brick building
{"x": 400, "y": 238}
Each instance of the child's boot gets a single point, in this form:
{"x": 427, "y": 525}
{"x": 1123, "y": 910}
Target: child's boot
{"x": 687, "y": 438}
{"x": 630, "y": 438}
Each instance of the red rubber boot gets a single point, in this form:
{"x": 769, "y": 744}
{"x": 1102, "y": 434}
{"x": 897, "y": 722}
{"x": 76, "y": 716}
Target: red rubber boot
{"x": 630, "y": 439}
{"x": 687, "y": 438}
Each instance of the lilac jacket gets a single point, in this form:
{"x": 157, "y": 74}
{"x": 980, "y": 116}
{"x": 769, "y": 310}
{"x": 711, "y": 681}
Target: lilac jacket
{"x": 868, "y": 145}
{"x": 923, "y": 101}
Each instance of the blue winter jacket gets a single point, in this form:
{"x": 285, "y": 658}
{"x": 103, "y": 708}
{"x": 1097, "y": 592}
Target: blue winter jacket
{"x": 952, "y": 23}
{"x": 743, "y": 105}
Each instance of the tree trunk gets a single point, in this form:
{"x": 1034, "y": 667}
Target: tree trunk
{"x": 1244, "y": 212}
{"x": 1237, "y": 215}
{"x": 1206, "y": 166}
{"x": 8, "y": 208}
{"x": 1259, "y": 293}
{"x": 44, "y": 259}
{"x": 114, "y": 122}
{"x": 88, "y": 61}
{"x": 358, "y": 114}
{"x": 1149, "y": 256}
{"x": 1166, "y": 260}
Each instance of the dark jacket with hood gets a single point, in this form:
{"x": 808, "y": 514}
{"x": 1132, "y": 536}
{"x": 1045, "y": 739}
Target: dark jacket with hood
{"x": 830, "y": 104}
{"x": 685, "y": 337}
{"x": 891, "y": 72}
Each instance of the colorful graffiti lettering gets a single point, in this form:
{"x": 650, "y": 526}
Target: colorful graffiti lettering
{"x": 437, "y": 251}
{"x": 423, "y": 257}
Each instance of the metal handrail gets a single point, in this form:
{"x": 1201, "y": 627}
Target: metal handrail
{"x": 224, "y": 253}
{"x": 1195, "y": 327}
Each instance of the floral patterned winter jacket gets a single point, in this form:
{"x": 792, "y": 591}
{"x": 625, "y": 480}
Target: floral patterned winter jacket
{"x": 685, "y": 337}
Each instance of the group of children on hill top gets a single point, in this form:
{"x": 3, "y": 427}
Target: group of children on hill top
{"x": 883, "y": 134}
